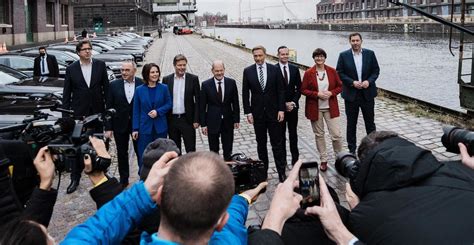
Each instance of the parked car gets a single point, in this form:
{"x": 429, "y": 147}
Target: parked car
{"x": 21, "y": 95}
{"x": 26, "y": 64}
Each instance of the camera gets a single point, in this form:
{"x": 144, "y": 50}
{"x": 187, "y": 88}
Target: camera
{"x": 454, "y": 135}
{"x": 309, "y": 184}
{"x": 248, "y": 173}
{"x": 347, "y": 165}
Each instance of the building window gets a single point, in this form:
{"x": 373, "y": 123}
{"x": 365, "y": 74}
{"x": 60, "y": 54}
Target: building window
{"x": 64, "y": 14}
{"x": 434, "y": 10}
{"x": 5, "y": 12}
{"x": 357, "y": 5}
{"x": 49, "y": 13}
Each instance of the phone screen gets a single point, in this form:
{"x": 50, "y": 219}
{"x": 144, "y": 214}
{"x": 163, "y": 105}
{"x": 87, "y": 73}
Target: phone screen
{"x": 309, "y": 184}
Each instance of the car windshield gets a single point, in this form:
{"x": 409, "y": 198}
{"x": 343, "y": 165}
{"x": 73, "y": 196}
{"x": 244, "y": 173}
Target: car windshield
{"x": 6, "y": 78}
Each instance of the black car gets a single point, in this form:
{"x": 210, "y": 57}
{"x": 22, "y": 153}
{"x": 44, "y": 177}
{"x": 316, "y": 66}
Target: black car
{"x": 21, "y": 95}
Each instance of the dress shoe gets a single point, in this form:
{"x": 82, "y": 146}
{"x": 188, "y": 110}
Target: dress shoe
{"x": 324, "y": 166}
{"x": 282, "y": 177}
{"x": 72, "y": 187}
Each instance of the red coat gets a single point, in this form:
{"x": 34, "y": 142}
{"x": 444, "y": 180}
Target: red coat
{"x": 309, "y": 87}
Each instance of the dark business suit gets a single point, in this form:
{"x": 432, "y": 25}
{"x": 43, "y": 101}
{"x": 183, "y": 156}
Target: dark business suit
{"x": 358, "y": 98}
{"x": 52, "y": 64}
{"x": 219, "y": 116}
{"x": 292, "y": 94}
{"x": 85, "y": 100}
{"x": 182, "y": 125}
{"x": 264, "y": 106}
{"x": 121, "y": 124}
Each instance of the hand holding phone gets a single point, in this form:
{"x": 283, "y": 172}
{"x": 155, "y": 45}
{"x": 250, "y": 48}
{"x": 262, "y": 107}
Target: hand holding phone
{"x": 309, "y": 184}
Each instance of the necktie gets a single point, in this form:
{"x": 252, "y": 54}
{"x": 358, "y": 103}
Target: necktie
{"x": 42, "y": 65}
{"x": 260, "y": 75}
{"x": 219, "y": 91}
{"x": 285, "y": 73}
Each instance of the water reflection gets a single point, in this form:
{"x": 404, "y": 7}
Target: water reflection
{"x": 419, "y": 66}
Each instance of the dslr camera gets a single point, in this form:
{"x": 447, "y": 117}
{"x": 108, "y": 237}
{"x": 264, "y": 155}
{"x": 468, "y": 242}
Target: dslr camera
{"x": 248, "y": 173}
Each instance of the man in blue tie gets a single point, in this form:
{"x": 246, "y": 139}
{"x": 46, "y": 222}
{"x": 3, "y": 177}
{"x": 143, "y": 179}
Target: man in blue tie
{"x": 45, "y": 65}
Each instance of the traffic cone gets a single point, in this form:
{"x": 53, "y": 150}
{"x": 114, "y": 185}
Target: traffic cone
{"x": 4, "y": 47}
{"x": 66, "y": 40}
{"x": 87, "y": 37}
{"x": 74, "y": 39}
{"x": 94, "y": 35}
{"x": 1, "y": 49}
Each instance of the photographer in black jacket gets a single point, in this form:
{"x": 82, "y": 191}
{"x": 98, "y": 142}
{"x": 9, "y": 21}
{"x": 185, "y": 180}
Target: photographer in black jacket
{"x": 26, "y": 225}
{"x": 408, "y": 197}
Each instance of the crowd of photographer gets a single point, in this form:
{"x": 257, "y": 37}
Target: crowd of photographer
{"x": 398, "y": 193}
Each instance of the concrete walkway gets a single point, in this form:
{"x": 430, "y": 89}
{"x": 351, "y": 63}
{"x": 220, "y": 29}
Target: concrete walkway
{"x": 73, "y": 209}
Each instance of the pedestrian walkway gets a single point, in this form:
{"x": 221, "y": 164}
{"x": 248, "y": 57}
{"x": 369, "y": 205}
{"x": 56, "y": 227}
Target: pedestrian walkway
{"x": 390, "y": 115}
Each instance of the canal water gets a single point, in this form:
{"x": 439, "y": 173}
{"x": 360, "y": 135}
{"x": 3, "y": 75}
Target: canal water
{"x": 418, "y": 66}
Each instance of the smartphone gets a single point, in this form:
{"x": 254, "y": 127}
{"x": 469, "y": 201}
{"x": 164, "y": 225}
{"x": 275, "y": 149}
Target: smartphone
{"x": 309, "y": 184}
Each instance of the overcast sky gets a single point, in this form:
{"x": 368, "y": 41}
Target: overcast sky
{"x": 260, "y": 9}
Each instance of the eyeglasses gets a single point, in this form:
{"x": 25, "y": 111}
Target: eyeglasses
{"x": 85, "y": 49}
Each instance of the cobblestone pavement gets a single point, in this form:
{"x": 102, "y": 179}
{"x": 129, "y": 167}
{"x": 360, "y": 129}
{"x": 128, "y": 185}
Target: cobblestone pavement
{"x": 73, "y": 209}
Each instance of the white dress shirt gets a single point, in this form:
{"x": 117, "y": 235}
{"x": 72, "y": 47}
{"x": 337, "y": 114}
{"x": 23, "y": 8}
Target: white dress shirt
{"x": 283, "y": 71}
{"x": 222, "y": 86}
{"x": 264, "y": 69}
{"x": 129, "y": 89}
{"x": 178, "y": 94}
{"x": 44, "y": 62}
{"x": 86, "y": 72}
{"x": 358, "y": 63}
{"x": 323, "y": 86}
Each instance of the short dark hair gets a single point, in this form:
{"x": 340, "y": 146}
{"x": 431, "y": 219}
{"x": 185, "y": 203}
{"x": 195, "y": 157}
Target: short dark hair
{"x": 153, "y": 153}
{"x": 259, "y": 47}
{"x": 355, "y": 34}
{"x": 281, "y": 47}
{"x": 179, "y": 57}
{"x": 197, "y": 191}
{"x": 319, "y": 51}
{"x": 19, "y": 231}
{"x": 371, "y": 141}
{"x": 81, "y": 43}
{"x": 42, "y": 47}
{"x": 146, "y": 71}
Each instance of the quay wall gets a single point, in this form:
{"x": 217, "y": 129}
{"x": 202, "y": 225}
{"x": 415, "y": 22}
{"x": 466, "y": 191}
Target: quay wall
{"x": 395, "y": 27}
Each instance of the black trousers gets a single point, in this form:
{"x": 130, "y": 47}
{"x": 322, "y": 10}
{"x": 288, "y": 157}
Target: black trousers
{"x": 226, "y": 133}
{"x": 178, "y": 127}
{"x": 352, "y": 114}
{"x": 121, "y": 142}
{"x": 275, "y": 131}
{"x": 291, "y": 121}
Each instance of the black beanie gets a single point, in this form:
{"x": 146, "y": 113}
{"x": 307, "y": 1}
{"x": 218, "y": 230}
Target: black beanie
{"x": 153, "y": 152}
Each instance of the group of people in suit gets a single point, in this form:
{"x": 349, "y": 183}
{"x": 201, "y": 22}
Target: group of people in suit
{"x": 176, "y": 106}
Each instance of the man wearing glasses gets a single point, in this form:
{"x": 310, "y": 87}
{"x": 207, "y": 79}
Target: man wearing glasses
{"x": 85, "y": 90}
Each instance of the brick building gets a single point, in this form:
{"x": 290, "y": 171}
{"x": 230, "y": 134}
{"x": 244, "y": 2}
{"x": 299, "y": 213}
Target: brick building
{"x": 340, "y": 10}
{"x": 28, "y": 21}
{"x": 98, "y": 15}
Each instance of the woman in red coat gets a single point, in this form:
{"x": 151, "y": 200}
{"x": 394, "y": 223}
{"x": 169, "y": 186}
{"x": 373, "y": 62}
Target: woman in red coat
{"x": 321, "y": 85}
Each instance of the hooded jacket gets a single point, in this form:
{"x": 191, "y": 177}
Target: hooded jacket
{"x": 408, "y": 197}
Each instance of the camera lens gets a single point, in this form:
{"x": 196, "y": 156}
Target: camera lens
{"x": 453, "y": 135}
{"x": 347, "y": 164}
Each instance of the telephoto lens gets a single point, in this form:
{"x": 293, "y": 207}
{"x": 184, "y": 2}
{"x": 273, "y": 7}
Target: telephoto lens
{"x": 347, "y": 165}
{"x": 453, "y": 135}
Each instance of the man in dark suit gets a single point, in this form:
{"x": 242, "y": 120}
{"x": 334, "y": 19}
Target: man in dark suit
{"x": 358, "y": 69}
{"x": 120, "y": 97}
{"x": 85, "y": 90}
{"x": 220, "y": 111}
{"x": 292, "y": 78}
{"x": 183, "y": 120}
{"x": 266, "y": 110}
{"x": 45, "y": 65}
